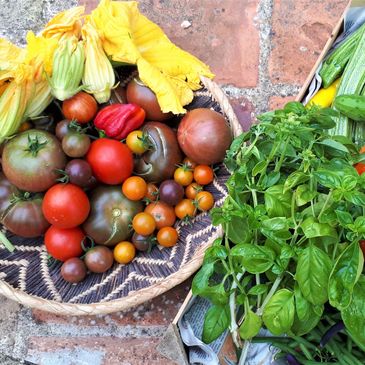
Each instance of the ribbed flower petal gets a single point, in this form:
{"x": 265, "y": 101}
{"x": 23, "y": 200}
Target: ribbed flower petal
{"x": 130, "y": 37}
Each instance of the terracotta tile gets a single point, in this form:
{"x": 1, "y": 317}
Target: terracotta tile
{"x": 300, "y": 30}
{"x": 277, "y": 102}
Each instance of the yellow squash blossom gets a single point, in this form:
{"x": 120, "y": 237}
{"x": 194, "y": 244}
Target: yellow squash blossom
{"x": 130, "y": 37}
{"x": 65, "y": 24}
{"x": 98, "y": 76}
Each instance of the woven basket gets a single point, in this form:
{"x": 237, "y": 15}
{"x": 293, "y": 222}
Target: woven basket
{"x": 26, "y": 277}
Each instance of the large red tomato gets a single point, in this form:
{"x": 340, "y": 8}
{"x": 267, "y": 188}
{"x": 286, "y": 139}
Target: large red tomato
{"x": 65, "y": 205}
{"x": 110, "y": 160}
{"x": 63, "y": 244}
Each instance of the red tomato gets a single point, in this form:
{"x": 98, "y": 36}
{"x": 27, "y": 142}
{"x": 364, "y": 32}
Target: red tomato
{"x": 65, "y": 206}
{"x": 360, "y": 167}
{"x": 110, "y": 160}
{"x": 63, "y": 244}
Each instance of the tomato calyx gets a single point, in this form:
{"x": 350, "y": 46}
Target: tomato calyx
{"x": 64, "y": 178}
{"x": 74, "y": 126}
{"x": 185, "y": 167}
{"x": 87, "y": 244}
{"x": 34, "y": 146}
{"x": 146, "y": 141}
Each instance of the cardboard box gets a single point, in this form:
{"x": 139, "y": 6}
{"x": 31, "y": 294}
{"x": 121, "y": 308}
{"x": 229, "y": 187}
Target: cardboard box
{"x": 171, "y": 345}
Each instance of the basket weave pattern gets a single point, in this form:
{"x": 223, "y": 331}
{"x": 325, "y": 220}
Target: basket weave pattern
{"x": 26, "y": 276}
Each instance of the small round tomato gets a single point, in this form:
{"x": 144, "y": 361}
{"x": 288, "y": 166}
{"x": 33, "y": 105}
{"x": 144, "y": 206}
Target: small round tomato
{"x": 144, "y": 223}
{"x": 167, "y": 236}
{"x": 73, "y": 270}
{"x": 189, "y": 163}
{"x": 124, "y": 252}
{"x": 205, "y": 200}
{"x": 185, "y": 209}
{"x": 203, "y": 174}
{"x": 183, "y": 175}
{"x": 362, "y": 246}
{"x": 111, "y": 161}
{"x": 360, "y": 167}
{"x": 63, "y": 244}
{"x": 192, "y": 190}
{"x": 65, "y": 205}
{"x": 99, "y": 259}
{"x": 137, "y": 142}
{"x": 362, "y": 149}
{"x": 163, "y": 214}
{"x": 152, "y": 192}
{"x": 75, "y": 144}
{"x": 134, "y": 188}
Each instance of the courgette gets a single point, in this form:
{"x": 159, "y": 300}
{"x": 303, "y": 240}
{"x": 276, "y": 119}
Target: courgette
{"x": 351, "y": 106}
{"x": 352, "y": 82}
{"x": 335, "y": 64}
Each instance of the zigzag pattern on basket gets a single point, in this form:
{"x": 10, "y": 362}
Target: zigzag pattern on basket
{"x": 28, "y": 267}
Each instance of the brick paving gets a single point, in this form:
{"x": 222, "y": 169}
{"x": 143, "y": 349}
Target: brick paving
{"x": 261, "y": 52}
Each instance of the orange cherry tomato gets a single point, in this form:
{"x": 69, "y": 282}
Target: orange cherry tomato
{"x": 360, "y": 167}
{"x": 167, "y": 236}
{"x": 205, "y": 200}
{"x": 203, "y": 174}
{"x": 185, "y": 208}
{"x": 144, "y": 223}
{"x": 183, "y": 175}
{"x": 152, "y": 192}
{"x": 362, "y": 149}
{"x": 192, "y": 190}
{"x": 163, "y": 214}
{"x": 124, "y": 252}
{"x": 189, "y": 163}
{"x": 134, "y": 188}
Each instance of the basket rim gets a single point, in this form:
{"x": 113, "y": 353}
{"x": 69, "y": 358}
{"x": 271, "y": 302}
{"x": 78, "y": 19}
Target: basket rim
{"x": 135, "y": 297}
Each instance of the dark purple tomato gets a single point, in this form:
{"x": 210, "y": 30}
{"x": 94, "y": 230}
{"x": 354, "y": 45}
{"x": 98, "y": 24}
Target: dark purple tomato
{"x": 99, "y": 259}
{"x": 79, "y": 172}
{"x": 143, "y": 96}
{"x": 92, "y": 183}
{"x": 62, "y": 128}
{"x": 75, "y": 144}
{"x": 73, "y": 270}
{"x": 142, "y": 243}
{"x": 171, "y": 192}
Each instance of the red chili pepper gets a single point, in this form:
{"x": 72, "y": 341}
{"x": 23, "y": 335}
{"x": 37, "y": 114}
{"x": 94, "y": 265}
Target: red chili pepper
{"x": 118, "y": 120}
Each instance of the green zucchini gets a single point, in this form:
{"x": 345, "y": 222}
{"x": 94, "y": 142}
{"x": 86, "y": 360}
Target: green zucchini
{"x": 335, "y": 64}
{"x": 351, "y": 106}
{"x": 352, "y": 82}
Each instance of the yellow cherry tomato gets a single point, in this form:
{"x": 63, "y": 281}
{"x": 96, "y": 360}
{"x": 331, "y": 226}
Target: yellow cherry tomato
{"x": 124, "y": 252}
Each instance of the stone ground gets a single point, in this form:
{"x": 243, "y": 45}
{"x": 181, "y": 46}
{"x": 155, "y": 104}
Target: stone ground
{"x": 261, "y": 52}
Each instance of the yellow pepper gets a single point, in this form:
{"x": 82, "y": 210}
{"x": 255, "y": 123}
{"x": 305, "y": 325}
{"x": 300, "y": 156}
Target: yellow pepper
{"x": 325, "y": 97}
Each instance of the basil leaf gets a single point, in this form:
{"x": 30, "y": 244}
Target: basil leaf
{"x": 304, "y": 195}
{"x": 201, "y": 279}
{"x": 312, "y": 275}
{"x": 354, "y": 315}
{"x": 355, "y": 197}
{"x": 255, "y": 259}
{"x": 302, "y": 327}
{"x": 294, "y": 179}
{"x": 327, "y": 178}
{"x": 250, "y": 326}
{"x": 216, "y": 321}
{"x": 312, "y": 229}
{"x": 334, "y": 144}
{"x": 278, "y": 203}
{"x": 271, "y": 179}
{"x": 302, "y": 305}
{"x": 239, "y": 230}
{"x": 259, "y": 167}
{"x": 278, "y": 314}
{"x": 344, "y": 218}
{"x": 258, "y": 289}
{"x": 344, "y": 276}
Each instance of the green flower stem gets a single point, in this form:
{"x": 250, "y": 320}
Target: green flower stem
{"x": 4, "y": 240}
{"x": 329, "y": 196}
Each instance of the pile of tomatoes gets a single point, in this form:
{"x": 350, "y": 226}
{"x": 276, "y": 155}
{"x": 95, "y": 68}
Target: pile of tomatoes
{"x": 99, "y": 200}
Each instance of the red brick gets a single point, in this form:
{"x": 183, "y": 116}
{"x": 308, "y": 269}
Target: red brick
{"x": 222, "y": 33}
{"x": 102, "y": 351}
{"x": 300, "y": 30}
{"x": 277, "y": 102}
{"x": 159, "y": 311}
{"x": 244, "y": 111}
